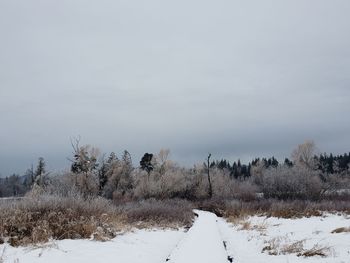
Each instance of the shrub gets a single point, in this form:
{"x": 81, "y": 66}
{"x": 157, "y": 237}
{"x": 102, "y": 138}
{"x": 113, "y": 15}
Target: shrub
{"x": 291, "y": 183}
{"x": 279, "y": 208}
{"x": 174, "y": 183}
{"x": 37, "y": 219}
{"x": 152, "y": 212}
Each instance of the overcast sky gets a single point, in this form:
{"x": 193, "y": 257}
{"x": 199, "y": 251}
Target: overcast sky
{"x": 238, "y": 79}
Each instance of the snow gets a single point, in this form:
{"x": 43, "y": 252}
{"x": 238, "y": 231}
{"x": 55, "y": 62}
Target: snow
{"x": 246, "y": 245}
{"x": 135, "y": 247}
{"x": 203, "y": 243}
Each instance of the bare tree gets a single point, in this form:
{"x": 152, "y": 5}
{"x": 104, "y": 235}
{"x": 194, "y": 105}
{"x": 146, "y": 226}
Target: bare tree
{"x": 163, "y": 156}
{"x": 210, "y": 189}
{"x": 304, "y": 155}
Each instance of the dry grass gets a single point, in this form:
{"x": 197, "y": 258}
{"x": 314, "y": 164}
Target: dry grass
{"x": 38, "y": 219}
{"x": 273, "y": 246}
{"x": 341, "y": 230}
{"x": 283, "y": 245}
{"x": 35, "y": 220}
{"x": 244, "y": 224}
{"x": 155, "y": 213}
{"x": 316, "y": 250}
{"x": 295, "y": 247}
{"x": 275, "y": 208}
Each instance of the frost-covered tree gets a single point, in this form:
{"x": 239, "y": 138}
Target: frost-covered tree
{"x": 40, "y": 172}
{"x": 304, "y": 155}
{"x": 118, "y": 175}
{"x": 84, "y": 168}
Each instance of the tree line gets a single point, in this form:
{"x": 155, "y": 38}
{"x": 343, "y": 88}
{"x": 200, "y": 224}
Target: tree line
{"x": 156, "y": 176}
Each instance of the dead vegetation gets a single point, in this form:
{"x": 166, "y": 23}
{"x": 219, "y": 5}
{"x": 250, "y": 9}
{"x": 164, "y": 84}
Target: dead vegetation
{"x": 232, "y": 209}
{"x": 38, "y": 219}
{"x": 245, "y": 224}
{"x": 35, "y": 220}
{"x": 156, "y": 213}
{"x": 341, "y": 230}
{"x": 283, "y": 246}
{"x": 316, "y": 250}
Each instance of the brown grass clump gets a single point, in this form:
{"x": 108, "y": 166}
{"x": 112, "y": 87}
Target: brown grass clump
{"x": 35, "y": 220}
{"x": 316, "y": 250}
{"x": 341, "y": 230}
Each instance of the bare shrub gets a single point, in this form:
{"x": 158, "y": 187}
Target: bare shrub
{"x": 153, "y": 212}
{"x": 215, "y": 205}
{"x": 336, "y": 187}
{"x": 245, "y": 190}
{"x": 222, "y": 184}
{"x": 291, "y": 183}
{"x": 173, "y": 183}
{"x": 277, "y": 208}
{"x": 225, "y": 187}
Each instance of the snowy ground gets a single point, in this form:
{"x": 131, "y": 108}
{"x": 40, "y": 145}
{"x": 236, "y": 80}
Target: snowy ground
{"x": 210, "y": 240}
{"x": 135, "y": 247}
{"x": 247, "y": 238}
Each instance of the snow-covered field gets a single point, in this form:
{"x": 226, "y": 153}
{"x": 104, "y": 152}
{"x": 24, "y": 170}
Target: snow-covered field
{"x": 210, "y": 240}
{"x": 253, "y": 239}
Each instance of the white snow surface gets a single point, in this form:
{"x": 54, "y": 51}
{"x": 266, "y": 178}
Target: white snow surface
{"x": 246, "y": 245}
{"x": 203, "y": 243}
{"x": 139, "y": 246}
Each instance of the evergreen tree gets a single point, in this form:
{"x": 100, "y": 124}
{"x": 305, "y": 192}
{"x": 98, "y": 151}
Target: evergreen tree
{"x": 146, "y": 163}
{"x": 40, "y": 172}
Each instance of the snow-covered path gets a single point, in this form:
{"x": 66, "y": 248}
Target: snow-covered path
{"x": 203, "y": 242}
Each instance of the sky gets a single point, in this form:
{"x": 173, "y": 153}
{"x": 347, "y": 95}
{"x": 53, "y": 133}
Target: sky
{"x": 238, "y": 79}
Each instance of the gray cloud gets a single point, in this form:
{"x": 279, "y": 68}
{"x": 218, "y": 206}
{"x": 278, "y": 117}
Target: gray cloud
{"x": 239, "y": 79}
